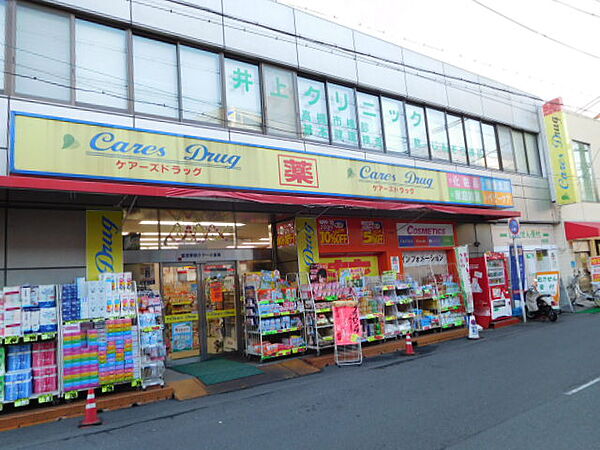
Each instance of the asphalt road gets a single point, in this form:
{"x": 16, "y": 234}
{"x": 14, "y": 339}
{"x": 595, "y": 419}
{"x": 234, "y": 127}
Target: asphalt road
{"x": 507, "y": 390}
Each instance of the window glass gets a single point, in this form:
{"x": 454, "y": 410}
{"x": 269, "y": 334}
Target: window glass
{"x": 201, "y": 97}
{"x": 342, "y": 113}
{"x": 313, "y": 110}
{"x": 491, "y": 146}
{"x": 369, "y": 121}
{"x": 458, "y": 149}
{"x": 436, "y": 124}
{"x": 242, "y": 84}
{"x": 101, "y": 64}
{"x": 533, "y": 155}
{"x": 519, "y": 148}
{"x": 155, "y": 77}
{"x": 281, "y": 101}
{"x": 43, "y": 53}
{"x": 506, "y": 148}
{"x": 394, "y": 125}
{"x": 474, "y": 143}
{"x": 583, "y": 166}
{"x": 417, "y": 133}
{"x": 2, "y": 39}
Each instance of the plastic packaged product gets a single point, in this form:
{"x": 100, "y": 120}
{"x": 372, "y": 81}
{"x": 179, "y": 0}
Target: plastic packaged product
{"x": 48, "y": 320}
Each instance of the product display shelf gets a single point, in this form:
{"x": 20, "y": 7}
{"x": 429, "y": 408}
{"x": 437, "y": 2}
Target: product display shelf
{"x": 372, "y": 311}
{"x": 398, "y": 308}
{"x": 274, "y": 316}
{"x": 452, "y": 306}
{"x": 152, "y": 345}
{"x": 29, "y": 361}
{"x": 318, "y": 299}
{"x": 111, "y": 311}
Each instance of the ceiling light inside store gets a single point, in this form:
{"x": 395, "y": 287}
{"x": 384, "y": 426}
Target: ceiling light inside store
{"x": 265, "y": 239}
{"x": 204, "y": 224}
{"x": 255, "y": 243}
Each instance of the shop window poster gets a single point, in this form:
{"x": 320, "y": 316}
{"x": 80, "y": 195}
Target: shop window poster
{"x": 182, "y": 337}
{"x": 372, "y": 232}
{"x": 333, "y": 232}
{"x": 286, "y": 234}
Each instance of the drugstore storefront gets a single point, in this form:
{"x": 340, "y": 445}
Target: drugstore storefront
{"x": 199, "y": 212}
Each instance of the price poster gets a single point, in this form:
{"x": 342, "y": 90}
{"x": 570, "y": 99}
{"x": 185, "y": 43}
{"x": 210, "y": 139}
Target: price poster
{"x": 333, "y": 232}
{"x": 595, "y": 269}
{"x": 346, "y": 320}
{"x": 372, "y": 232}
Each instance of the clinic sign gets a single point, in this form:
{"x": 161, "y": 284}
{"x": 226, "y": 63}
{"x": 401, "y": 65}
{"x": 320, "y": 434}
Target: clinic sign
{"x": 50, "y": 146}
{"x": 561, "y": 153}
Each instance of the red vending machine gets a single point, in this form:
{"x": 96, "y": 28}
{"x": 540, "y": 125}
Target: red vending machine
{"x": 490, "y": 284}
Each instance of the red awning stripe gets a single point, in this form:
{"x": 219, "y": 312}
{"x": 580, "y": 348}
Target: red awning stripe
{"x": 582, "y": 230}
{"x": 23, "y": 182}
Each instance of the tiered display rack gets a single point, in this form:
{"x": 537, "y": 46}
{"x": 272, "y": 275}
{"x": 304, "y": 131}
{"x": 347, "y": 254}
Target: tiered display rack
{"x": 64, "y": 318}
{"x": 274, "y": 316}
{"x": 318, "y": 299}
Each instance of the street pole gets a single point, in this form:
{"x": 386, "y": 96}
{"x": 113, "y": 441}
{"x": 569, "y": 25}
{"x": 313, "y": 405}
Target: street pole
{"x": 518, "y": 264}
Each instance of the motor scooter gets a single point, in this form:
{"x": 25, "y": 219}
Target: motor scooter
{"x": 538, "y": 305}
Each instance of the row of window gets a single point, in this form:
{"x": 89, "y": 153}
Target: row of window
{"x": 77, "y": 61}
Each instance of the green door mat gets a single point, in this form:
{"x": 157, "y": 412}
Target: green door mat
{"x": 218, "y": 370}
{"x": 589, "y": 311}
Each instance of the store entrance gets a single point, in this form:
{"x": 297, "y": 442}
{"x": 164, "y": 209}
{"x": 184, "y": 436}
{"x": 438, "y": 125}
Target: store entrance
{"x": 201, "y": 309}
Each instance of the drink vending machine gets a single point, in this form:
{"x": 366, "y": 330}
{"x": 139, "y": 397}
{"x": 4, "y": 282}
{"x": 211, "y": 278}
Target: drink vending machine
{"x": 491, "y": 288}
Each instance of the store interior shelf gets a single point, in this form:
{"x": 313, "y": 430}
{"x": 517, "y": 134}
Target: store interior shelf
{"x": 279, "y": 314}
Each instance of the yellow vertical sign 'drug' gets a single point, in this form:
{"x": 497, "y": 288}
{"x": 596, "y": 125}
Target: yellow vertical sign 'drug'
{"x": 104, "y": 243}
{"x": 561, "y": 153}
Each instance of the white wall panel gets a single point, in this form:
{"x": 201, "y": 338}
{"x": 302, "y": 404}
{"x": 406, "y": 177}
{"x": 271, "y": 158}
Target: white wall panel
{"x": 180, "y": 20}
{"x": 178, "y": 128}
{"x": 249, "y": 138}
{"x": 425, "y": 86}
{"x": 45, "y": 238}
{"x": 462, "y": 95}
{"x": 43, "y": 276}
{"x": 71, "y": 113}
{"x": 118, "y": 9}
{"x": 257, "y": 40}
{"x": 376, "y": 74}
{"x": 323, "y": 59}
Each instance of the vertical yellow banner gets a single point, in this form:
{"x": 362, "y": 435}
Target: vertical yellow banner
{"x": 561, "y": 153}
{"x": 104, "y": 243}
{"x": 307, "y": 243}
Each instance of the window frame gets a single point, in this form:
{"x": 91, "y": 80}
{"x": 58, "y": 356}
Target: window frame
{"x": 260, "y": 129}
{"x": 9, "y": 88}
{"x": 11, "y": 48}
{"x": 265, "y": 103}
{"x": 339, "y": 144}
{"x": 221, "y": 121}
{"x": 588, "y": 148}
{"x": 128, "y": 68}
{"x": 496, "y": 141}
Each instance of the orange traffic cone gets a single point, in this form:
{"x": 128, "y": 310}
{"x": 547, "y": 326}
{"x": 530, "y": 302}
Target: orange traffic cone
{"x": 91, "y": 412}
{"x": 408, "y": 346}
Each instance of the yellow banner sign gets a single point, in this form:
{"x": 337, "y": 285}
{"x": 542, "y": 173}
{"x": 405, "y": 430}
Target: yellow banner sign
{"x": 561, "y": 153}
{"x": 221, "y": 313}
{"x": 56, "y": 147}
{"x": 307, "y": 243}
{"x": 104, "y": 244}
{"x": 176, "y": 318}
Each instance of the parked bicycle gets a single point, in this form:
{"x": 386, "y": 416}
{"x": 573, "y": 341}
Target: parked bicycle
{"x": 576, "y": 294}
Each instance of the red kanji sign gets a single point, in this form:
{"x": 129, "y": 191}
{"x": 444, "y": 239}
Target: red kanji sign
{"x": 298, "y": 171}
